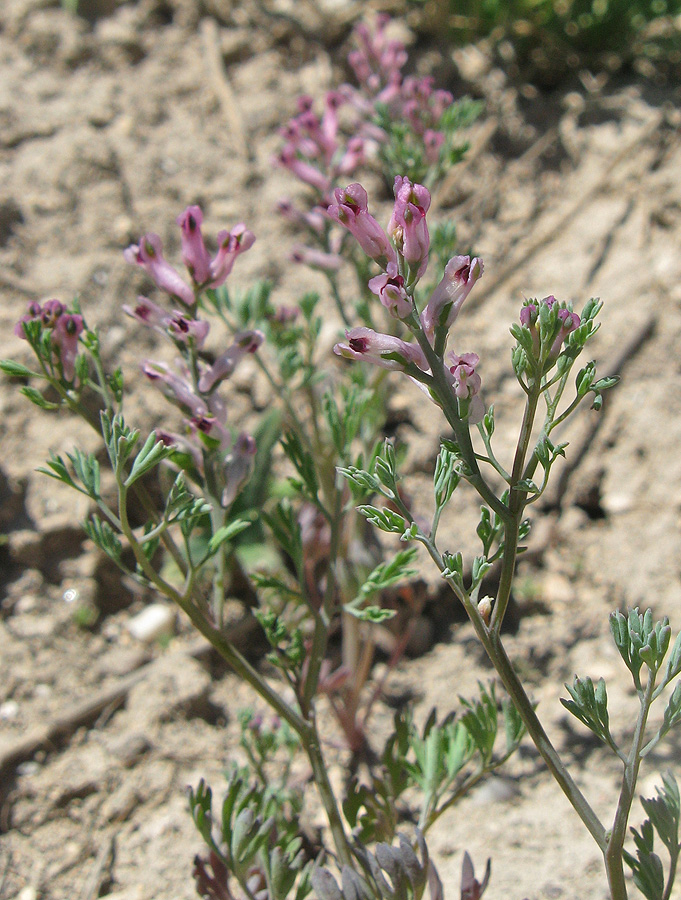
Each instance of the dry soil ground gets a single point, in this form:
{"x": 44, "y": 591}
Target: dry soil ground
{"x": 110, "y": 124}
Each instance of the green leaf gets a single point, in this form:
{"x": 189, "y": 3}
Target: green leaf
{"x": 57, "y": 469}
{"x": 604, "y": 384}
{"x": 15, "y": 369}
{"x": 151, "y": 454}
{"x": 385, "y": 519}
{"x": 226, "y": 533}
{"x": 37, "y": 398}
{"x": 589, "y": 704}
{"x": 514, "y": 727}
{"x": 102, "y": 534}
{"x": 360, "y": 478}
{"x": 370, "y": 613}
{"x": 446, "y": 477}
{"x": 86, "y": 467}
{"x": 674, "y": 661}
{"x": 303, "y": 463}
{"x": 663, "y": 812}
{"x": 387, "y": 574}
{"x": 285, "y": 526}
{"x": 386, "y": 469}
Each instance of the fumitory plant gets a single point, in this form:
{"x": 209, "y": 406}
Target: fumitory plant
{"x": 549, "y": 337}
{"x": 221, "y": 483}
{"x": 198, "y": 525}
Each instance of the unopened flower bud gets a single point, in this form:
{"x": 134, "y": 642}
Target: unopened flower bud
{"x": 485, "y": 609}
{"x": 34, "y": 312}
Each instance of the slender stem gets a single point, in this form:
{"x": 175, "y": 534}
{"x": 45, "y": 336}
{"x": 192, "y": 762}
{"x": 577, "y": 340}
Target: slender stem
{"x": 202, "y": 624}
{"x": 460, "y": 428}
{"x": 674, "y": 859}
{"x": 314, "y": 754}
{"x": 511, "y": 682}
{"x": 516, "y": 505}
{"x": 323, "y": 616}
{"x": 337, "y": 299}
{"x": 491, "y": 641}
{"x": 613, "y": 851}
{"x": 218, "y": 518}
{"x": 138, "y": 488}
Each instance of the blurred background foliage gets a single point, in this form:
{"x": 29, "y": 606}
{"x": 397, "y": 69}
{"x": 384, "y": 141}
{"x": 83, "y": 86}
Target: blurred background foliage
{"x": 543, "y": 40}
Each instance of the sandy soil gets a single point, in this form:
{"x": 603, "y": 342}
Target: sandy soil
{"x": 110, "y": 124}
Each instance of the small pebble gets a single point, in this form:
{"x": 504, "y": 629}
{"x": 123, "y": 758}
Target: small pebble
{"x": 496, "y": 790}
{"x": 27, "y": 893}
{"x": 9, "y": 709}
{"x": 152, "y": 623}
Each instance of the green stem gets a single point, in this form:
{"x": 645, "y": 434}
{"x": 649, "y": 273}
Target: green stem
{"x": 459, "y": 427}
{"x": 314, "y": 753}
{"x": 674, "y": 858}
{"x": 323, "y": 616}
{"x": 491, "y": 641}
{"x": 203, "y": 625}
{"x": 516, "y": 505}
{"x": 613, "y": 852}
{"x": 337, "y": 299}
{"x": 138, "y": 488}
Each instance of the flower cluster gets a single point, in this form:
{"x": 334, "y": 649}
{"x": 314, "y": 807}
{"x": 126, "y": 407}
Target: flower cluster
{"x": 549, "y": 322}
{"x": 402, "y": 252}
{"x": 204, "y": 271}
{"x": 317, "y": 151}
{"x": 64, "y": 329}
{"x": 192, "y": 383}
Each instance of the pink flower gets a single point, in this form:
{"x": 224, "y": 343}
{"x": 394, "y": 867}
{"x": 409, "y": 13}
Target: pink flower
{"x": 149, "y": 254}
{"x": 176, "y": 388}
{"x": 244, "y": 342}
{"x": 148, "y": 313}
{"x": 408, "y": 227}
{"x": 390, "y": 290}
{"x": 65, "y": 336}
{"x": 183, "y": 329}
{"x": 51, "y": 312}
{"x": 196, "y": 257}
{"x": 381, "y": 349}
{"x": 289, "y": 159}
{"x": 353, "y": 157}
{"x": 432, "y": 142}
{"x": 351, "y": 210}
{"x": 466, "y": 384}
{"x": 230, "y": 245}
{"x": 461, "y": 273}
{"x": 314, "y": 219}
{"x": 317, "y": 259}
{"x": 238, "y": 466}
{"x": 34, "y": 312}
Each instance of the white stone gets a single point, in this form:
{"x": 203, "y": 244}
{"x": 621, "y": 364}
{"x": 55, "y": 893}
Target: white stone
{"x": 154, "y": 622}
{"x": 9, "y": 709}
